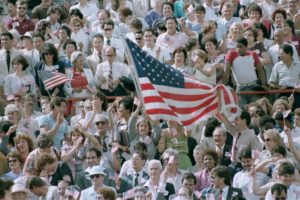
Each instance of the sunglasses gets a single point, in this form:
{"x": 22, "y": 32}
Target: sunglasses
{"x": 14, "y": 160}
{"x": 138, "y": 38}
{"x": 101, "y": 122}
{"x": 95, "y": 176}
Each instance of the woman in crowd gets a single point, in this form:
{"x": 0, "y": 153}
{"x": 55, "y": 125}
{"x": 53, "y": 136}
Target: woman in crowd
{"x": 23, "y": 145}
{"x": 180, "y": 57}
{"x": 69, "y": 47}
{"x": 15, "y": 166}
{"x": 64, "y": 33}
{"x": 44, "y": 27}
{"x": 290, "y": 35}
{"x": 235, "y": 32}
{"x": 198, "y": 151}
{"x": 278, "y": 17}
{"x": 207, "y": 140}
{"x": 78, "y": 35}
{"x": 263, "y": 35}
{"x": 265, "y": 104}
{"x": 20, "y": 82}
{"x": 106, "y": 194}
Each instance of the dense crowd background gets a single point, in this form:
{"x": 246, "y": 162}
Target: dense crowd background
{"x": 89, "y": 136}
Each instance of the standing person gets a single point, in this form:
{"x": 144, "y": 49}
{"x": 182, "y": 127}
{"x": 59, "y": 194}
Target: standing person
{"x": 22, "y": 23}
{"x": 222, "y": 188}
{"x": 97, "y": 55}
{"x": 54, "y": 123}
{"x": 51, "y": 63}
{"x": 247, "y": 78}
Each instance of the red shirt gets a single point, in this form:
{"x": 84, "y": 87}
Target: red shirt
{"x": 22, "y": 27}
{"x": 79, "y": 80}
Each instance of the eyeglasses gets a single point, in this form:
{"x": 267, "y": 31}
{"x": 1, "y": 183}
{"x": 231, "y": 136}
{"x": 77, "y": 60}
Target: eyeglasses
{"x": 22, "y": 8}
{"x": 95, "y": 176}
{"x": 13, "y": 160}
{"x": 100, "y": 122}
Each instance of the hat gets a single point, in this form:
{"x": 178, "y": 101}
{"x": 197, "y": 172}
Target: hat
{"x": 97, "y": 170}
{"x": 100, "y": 118}
{"x": 75, "y": 55}
{"x": 26, "y": 35}
{"x": 18, "y": 188}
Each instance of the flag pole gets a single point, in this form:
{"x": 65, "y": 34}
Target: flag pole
{"x": 133, "y": 70}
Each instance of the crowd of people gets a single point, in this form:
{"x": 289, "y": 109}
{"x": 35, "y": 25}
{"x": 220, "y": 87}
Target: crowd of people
{"x": 89, "y": 136}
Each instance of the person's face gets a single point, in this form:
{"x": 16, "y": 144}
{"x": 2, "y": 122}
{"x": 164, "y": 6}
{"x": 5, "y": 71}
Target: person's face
{"x": 48, "y": 57}
{"x": 210, "y": 47}
{"x": 110, "y": 55}
{"x": 62, "y": 34}
{"x": 97, "y": 179}
{"x": 6, "y": 42}
{"x": 70, "y": 48}
{"x": 79, "y": 62}
{"x": 143, "y": 128}
{"x": 76, "y": 26}
{"x": 18, "y": 67}
{"x": 139, "y": 39}
{"x": 18, "y": 196}
{"x": 167, "y": 11}
{"x": 102, "y": 17}
{"x": 29, "y": 102}
{"x": 284, "y": 56}
{"x": 148, "y": 37}
{"x": 92, "y": 159}
{"x": 137, "y": 162}
{"x": 254, "y": 15}
{"x": 217, "y": 181}
{"x": 183, "y": 194}
{"x": 62, "y": 108}
{"x": 255, "y": 119}
{"x": 171, "y": 26}
{"x": 38, "y": 43}
{"x": 46, "y": 3}
{"x": 189, "y": 183}
{"x": 22, "y": 145}
{"x": 62, "y": 187}
{"x": 50, "y": 168}
{"x": 252, "y": 109}
{"x": 122, "y": 111}
{"x": 75, "y": 136}
{"x": 198, "y": 157}
{"x": 88, "y": 107}
{"x": 227, "y": 12}
{"x": 13, "y": 163}
{"x": 54, "y": 17}
{"x": 108, "y": 30}
{"x": 280, "y": 107}
{"x": 238, "y": 121}
{"x": 292, "y": 5}
{"x": 21, "y": 10}
{"x": 102, "y": 126}
{"x": 247, "y": 163}
{"x": 154, "y": 170}
{"x": 279, "y": 19}
{"x": 12, "y": 10}
{"x": 98, "y": 44}
{"x": 179, "y": 58}
{"x": 279, "y": 196}
{"x": 286, "y": 179}
{"x": 297, "y": 120}
{"x": 199, "y": 15}
{"x": 237, "y": 30}
{"x": 219, "y": 137}
{"x": 241, "y": 49}
{"x": 249, "y": 36}
{"x": 269, "y": 142}
{"x": 139, "y": 196}
{"x": 209, "y": 162}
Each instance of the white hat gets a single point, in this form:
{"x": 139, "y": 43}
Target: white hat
{"x": 97, "y": 170}
{"x": 26, "y": 35}
{"x": 75, "y": 55}
{"x": 19, "y": 188}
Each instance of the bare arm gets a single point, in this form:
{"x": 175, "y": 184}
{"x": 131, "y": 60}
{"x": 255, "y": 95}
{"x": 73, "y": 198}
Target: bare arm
{"x": 226, "y": 74}
{"x": 52, "y": 131}
{"x": 261, "y": 74}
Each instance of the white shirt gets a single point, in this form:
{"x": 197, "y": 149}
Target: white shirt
{"x": 118, "y": 45}
{"x": 210, "y": 13}
{"x": 171, "y": 42}
{"x": 274, "y": 54}
{"x": 293, "y": 193}
{"x": 103, "y": 69}
{"x": 164, "y": 54}
{"x": 89, "y": 11}
{"x": 81, "y": 36}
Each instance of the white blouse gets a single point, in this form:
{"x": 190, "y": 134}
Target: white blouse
{"x": 13, "y": 84}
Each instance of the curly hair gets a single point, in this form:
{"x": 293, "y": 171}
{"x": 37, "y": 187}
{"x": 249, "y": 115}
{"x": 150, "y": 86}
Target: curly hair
{"x": 107, "y": 193}
{"x": 43, "y": 160}
{"x": 19, "y": 137}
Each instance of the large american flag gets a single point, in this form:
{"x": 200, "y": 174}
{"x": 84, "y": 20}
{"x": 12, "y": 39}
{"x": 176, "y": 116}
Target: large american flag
{"x": 171, "y": 95}
{"x": 52, "y": 79}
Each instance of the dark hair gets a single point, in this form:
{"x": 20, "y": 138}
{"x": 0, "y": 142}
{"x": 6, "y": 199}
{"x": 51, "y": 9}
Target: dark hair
{"x": 127, "y": 103}
{"x": 279, "y": 11}
{"x": 4, "y": 126}
{"x": 19, "y": 59}
{"x": 108, "y": 22}
{"x": 65, "y": 28}
{"x": 35, "y": 181}
{"x": 172, "y": 18}
{"x": 14, "y": 154}
{"x": 288, "y": 49}
{"x": 149, "y": 30}
{"x": 53, "y": 10}
{"x": 141, "y": 154}
{"x": 42, "y": 25}
{"x": 246, "y": 116}
{"x": 210, "y": 38}
{"x": 278, "y": 188}
{"x": 222, "y": 172}
{"x": 263, "y": 29}
{"x": 76, "y": 12}
{"x": 70, "y": 41}
{"x": 97, "y": 151}
{"x": 291, "y": 24}
{"x": 136, "y": 23}
{"x": 36, "y": 34}
{"x": 266, "y": 119}
{"x": 200, "y": 7}
{"x": 254, "y": 31}
{"x": 98, "y": 35}
{"x": 168, "y": 3}
{"x": 105, "y": 11}
{"x": 242, "y": 41}
{"x": 50, "y": 48}
{"x": 103, "y": 98}
{"x": 13, "y": 2}
{"x": 44, "y": 141}
{"x": 44, "y": 160}
{"x": 5, "y": 184}
{"x": 190, "y": 44}
{"x": 245, "y": 153}
{"x": 256, "y": 8}
{"x": 180, "y": 50}
{"x": 7, "y": 34}
{"x": 286, "y": 168}
{"x": 56, "y": 101}
{"x": 212, "y": 153}
{"x": 140, "y": 146}
{"x": 21, "y": 2}
{"x": 210, "y": 126}
{"x": 125, "y": 11}
{"x": 279, "y": 149}
{"x": 189, "y": 176}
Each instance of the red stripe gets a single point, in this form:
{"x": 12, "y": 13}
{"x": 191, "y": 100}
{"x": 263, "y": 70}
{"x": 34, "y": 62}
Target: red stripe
{"x": 226, "y": 96}
{"x": 193, "y": 85}
{"x": 209, "y": 109}
{"x": 192, "y": 109}
{"x": 151, "y": 99}
{"x": 147, "y": 86}
{"x": 184, "y": 97}
{"x": 156, "y": 111}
